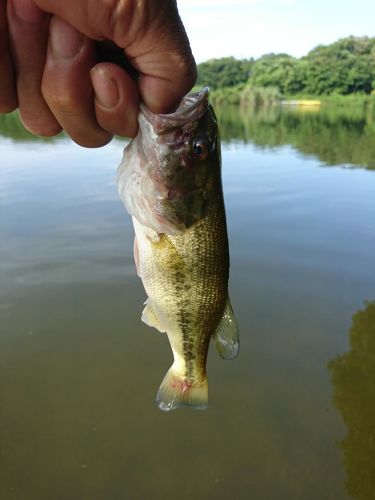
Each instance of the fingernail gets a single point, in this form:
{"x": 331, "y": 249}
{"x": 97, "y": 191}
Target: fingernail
{"x": 106, "y": 89}
{"x": 65, "y": 40}
{"x": 27, "y": 11}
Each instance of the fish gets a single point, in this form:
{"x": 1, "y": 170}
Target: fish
{"x": 170, "y": 182}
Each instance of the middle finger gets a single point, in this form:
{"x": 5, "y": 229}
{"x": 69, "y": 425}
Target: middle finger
{"x": 67, "y": 87}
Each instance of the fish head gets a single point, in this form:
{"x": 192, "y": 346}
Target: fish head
{"x": 175, "y": 165}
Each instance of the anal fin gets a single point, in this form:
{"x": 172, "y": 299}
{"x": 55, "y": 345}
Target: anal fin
{"x": 226, "y": 335}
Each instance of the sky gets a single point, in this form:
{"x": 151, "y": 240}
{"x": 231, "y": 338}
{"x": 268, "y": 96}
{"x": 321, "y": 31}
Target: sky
{"x": 250, "y": 28}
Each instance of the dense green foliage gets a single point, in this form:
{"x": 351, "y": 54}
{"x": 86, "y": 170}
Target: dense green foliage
{"x": 279, "y": 70}
{"x": 344, "y": 67}
{"x": 224, "y": 72}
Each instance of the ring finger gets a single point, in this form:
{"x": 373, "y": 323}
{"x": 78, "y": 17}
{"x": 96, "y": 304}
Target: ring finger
{"x": 28, "y": 30}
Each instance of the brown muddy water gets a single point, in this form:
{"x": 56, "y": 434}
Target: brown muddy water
{"x": 293, "y": 417}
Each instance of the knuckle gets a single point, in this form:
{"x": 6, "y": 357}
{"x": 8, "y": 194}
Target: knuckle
{"x": 121, "y": 18}
{"x": 188, "y": 70}
{"x": 185, "y": 70}
{"x": 130, "y": 20}
{"x": 62, "y": 102}
{"x": 111, "y": 16}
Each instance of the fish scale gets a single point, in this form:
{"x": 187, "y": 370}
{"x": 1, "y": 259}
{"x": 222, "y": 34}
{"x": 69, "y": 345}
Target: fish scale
{"x": 185, "y": 275}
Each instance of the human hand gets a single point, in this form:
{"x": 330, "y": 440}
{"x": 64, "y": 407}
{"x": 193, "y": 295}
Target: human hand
{"x": 51, "y": 69}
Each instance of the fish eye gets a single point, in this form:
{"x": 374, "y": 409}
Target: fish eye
{"x": 200, "y": 149}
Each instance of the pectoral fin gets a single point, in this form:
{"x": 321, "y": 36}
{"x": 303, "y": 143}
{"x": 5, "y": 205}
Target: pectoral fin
{"x": 150, "y": 317}
{"x": 226, "y": 335}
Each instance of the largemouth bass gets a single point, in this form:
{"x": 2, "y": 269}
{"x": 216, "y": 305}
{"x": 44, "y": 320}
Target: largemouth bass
{"x": 170, "y": 182}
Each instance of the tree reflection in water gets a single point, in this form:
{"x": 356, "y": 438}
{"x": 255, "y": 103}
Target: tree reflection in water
{"x": 336, "y": 135}
{"x": 353, "y": 379}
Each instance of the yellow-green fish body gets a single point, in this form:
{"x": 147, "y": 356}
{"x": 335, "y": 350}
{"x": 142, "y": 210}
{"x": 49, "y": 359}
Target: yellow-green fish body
{"x": 170, "y": 181}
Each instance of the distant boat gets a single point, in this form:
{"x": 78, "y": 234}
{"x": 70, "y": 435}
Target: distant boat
{"x": 302, "y": 102}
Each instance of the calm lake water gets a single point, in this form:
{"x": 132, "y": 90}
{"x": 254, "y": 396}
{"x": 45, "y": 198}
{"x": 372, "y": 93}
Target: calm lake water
{"x": 293, "y": 417}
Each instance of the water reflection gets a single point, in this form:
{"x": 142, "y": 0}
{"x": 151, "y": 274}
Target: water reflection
{"x": 79, "y": 370}
{"x": 336, "y": 135}
{"x": 353, "y": 379}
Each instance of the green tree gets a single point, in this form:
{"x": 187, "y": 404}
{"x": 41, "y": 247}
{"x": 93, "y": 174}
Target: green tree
{"x": 278, "y": 70}
{"x": 344, "y": 67}
{"x": 224, "y": 72}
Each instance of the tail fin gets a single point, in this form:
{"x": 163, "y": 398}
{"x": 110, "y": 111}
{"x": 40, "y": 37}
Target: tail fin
{"x": 178, "y": 392}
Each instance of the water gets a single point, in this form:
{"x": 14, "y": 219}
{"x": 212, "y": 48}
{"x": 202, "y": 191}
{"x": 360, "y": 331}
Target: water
{"x": 291, "y": 418}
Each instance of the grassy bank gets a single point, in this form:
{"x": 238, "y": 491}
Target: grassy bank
{"x": 248, "y": 96}
{"x": 336, "y": 99}
{"x": 245, "y": 96}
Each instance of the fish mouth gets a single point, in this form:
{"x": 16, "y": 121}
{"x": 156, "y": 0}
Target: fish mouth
{"x": 191, "y": 109}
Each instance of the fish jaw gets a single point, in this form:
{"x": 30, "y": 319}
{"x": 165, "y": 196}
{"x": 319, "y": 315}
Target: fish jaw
{"x": 165, "y": 177}
{"x": 192, "y": 107}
